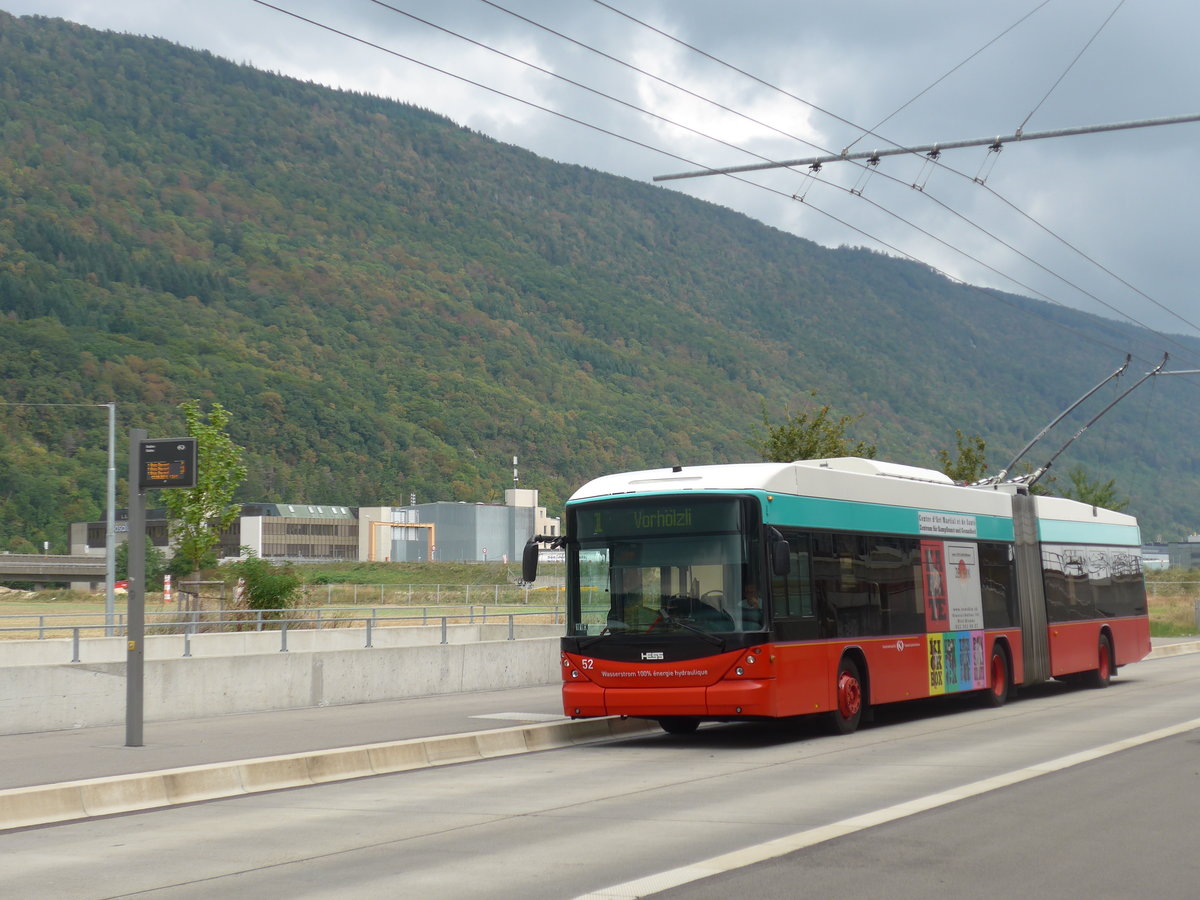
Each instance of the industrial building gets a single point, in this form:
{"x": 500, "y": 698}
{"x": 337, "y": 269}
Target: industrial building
{"x": 294, "y": 532}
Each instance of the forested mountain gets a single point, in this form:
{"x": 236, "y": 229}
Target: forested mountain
{"x": 392, "y": 304}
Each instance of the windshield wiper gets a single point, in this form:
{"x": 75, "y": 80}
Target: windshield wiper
{"x": 711, "y": 638}
{"x": 584, "y": 643}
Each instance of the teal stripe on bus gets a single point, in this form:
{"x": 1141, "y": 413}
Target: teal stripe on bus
{"x": 1057, "y": 531}
{"x": 875, "y": 518}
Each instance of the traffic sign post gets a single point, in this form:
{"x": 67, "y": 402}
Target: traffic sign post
{"x": 153, "y": 465}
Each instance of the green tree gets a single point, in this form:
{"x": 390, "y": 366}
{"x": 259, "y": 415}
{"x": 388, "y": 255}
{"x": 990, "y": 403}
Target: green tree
{"x": 267, "y": 586}
{"x": 181, "y": 567}
{"x": 198, "y": 514}
{"x": 812, "y": 434}
{"x": 156, "y": 564}
{"x": 1096, "y": 493}
{"x": 970, "y": 464}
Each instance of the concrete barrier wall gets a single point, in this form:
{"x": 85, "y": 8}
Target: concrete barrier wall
{"x": 171, "y": 646}
{"x": 78, "y": 695}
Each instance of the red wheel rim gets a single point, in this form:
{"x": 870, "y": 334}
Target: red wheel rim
{"x": 1105, "y": 662}
{"x": 849, "y": 695}
{"x": 999, "y": 674}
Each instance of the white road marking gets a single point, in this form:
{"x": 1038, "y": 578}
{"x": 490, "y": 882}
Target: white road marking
{"x": 523, "y": 717}
{"x": 715, "y": 865}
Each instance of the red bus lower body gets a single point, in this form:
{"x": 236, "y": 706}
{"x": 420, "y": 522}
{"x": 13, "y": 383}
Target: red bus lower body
{"x": 790, "y": 678}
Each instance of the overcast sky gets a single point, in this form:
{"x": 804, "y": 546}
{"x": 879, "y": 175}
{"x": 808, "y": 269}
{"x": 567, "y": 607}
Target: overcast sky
{"x": 1128, "y": 200}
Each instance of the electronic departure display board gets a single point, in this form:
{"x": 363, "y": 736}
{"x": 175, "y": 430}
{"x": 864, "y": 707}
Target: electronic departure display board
{"x": 167, "y": 463}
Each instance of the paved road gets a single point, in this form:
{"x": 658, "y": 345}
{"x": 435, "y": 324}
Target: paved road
{"x": 1120, "y": 827}
{"x": 580, "y": 820}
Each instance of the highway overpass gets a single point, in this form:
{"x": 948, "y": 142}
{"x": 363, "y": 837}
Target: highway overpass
{"x": 82, "y": 573}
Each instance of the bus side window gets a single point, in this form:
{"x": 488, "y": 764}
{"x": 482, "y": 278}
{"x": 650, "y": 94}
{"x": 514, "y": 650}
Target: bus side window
{"x": 996, "y": 588}
{"x": 895, "y": 571}
{"x": 849, "y": 604}
{"x": 792, "y": 594}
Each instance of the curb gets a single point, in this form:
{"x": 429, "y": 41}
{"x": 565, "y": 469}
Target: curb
{"x": 1162, "y": 651}
{"x": 47, "y": 804}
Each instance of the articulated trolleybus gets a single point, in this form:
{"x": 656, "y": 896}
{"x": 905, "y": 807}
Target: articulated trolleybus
{"x": 770, "y": 590}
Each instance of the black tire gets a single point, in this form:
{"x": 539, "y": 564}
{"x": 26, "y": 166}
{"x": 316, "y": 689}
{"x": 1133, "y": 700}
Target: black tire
{"x": 851, "y": 699}
{"x": 679, "y": 724}
{"x": 996, "y": 693}
{"x": 1101, "y": 676}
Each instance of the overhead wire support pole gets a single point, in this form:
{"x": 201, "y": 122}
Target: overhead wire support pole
{"x": 996, "y": 479}
{"x": 1032, "y": 479}
{"x": 996, "y": 142}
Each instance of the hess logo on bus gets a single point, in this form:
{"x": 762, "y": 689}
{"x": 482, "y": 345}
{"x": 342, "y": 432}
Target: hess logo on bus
{"x": 652, "y": 654}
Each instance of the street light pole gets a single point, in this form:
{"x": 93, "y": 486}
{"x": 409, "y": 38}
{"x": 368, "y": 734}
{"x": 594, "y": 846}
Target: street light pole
{"x": 110, "y": 529}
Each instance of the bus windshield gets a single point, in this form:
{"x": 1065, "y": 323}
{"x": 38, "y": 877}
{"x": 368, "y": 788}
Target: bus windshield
{"x": 650, "y": 567}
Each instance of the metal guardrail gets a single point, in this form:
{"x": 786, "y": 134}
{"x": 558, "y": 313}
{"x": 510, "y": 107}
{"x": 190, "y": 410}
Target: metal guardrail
{"x": 189, "y": 626}
{"x": 407, "y": 593}
{"x": 320, "y": 617}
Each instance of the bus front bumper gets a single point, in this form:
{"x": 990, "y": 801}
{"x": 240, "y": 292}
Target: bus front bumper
{"x": 723, "y": 700}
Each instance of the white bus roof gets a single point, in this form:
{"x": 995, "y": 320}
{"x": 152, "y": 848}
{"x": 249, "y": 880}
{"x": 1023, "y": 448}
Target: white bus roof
{"x": 843, "y": 478}
{"x": 847, "y": 478}
{"x": 1062, "y": 509}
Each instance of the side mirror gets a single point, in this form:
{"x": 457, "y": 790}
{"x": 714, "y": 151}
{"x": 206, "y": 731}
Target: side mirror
{"x": 529, "y": 561}
{"x": 781, "y": 557}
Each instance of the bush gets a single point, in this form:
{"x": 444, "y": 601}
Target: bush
{"x": 267, "y": 586}
{"x": 156, "y": 565}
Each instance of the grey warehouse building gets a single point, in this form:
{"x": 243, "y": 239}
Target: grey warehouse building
{"x": 453, "y": 531}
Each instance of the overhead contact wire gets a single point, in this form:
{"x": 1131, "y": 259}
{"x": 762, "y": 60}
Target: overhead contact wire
{"x": 947, "y": 74}
{"x": 1071, "y": 65}
{"x": 871, "y": 132}
{"x": 671, "y": 155}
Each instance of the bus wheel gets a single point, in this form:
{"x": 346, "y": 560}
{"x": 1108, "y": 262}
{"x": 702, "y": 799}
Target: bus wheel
{"x": 997, "y": 691}
{"x": 1100, "y": 676}
{"x": 850, "y": 701}
{"x": 679, "y": 724}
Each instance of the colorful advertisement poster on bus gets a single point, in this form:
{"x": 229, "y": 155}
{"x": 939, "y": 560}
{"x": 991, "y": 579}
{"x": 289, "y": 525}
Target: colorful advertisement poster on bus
{"x": 937, "y": 664}
{"x": 933, "y": 577}
{"x": 978, "y": 661}
{"x": 964, "y": 598}
{"x": 956, "y": 662}
{"x": 964, "y": 662}
{"x": 953, "y": 616}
